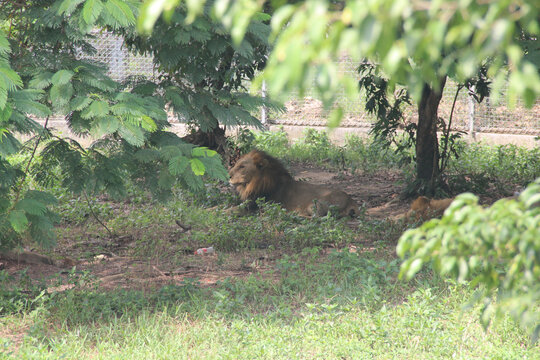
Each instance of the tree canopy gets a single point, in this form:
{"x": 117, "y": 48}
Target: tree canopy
{"x": 415, "y": 42}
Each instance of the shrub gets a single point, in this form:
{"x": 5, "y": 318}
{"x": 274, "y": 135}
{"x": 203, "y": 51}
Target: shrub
{"x": 496, "y": 248}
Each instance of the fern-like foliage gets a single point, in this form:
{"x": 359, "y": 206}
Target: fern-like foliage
{"x": 27, "y": 213}
{"x": 203, "y": 75}
{"x": 44, "y": 71}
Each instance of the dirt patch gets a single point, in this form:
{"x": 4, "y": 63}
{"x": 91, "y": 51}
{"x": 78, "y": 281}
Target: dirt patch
{"x": 125, "y": 272}
{"x": 378, "y": 193}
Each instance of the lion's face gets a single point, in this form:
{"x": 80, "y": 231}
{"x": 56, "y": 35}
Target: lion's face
{"x": 254, "y": 174}
{"x": 243, "y": 172}
{"x": 247, "y": 170}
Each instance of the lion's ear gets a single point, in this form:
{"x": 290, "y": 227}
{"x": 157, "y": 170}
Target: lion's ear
{"x": 262, "y": 163}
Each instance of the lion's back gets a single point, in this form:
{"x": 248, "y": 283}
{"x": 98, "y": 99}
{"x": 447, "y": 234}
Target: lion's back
{"x": 310, "y": 199}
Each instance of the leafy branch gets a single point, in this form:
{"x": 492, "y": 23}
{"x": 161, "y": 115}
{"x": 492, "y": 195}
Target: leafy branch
{"x": 495, "y": 249}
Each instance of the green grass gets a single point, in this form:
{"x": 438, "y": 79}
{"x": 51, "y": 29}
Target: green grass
{"x": 345, "y": 306}
{"x": 350, "y": 335}
{"x": 314, "y": 146}
{"x": 482, "y": 167}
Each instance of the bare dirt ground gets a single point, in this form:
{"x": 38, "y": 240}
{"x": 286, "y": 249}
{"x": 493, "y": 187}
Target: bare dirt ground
{"x": 378, "y": 193}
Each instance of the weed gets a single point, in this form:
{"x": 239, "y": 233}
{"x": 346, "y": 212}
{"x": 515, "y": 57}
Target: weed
{"x": 20, "y": 295}
{"x": 273, "y": 142}
{"x": 481, "y": 168}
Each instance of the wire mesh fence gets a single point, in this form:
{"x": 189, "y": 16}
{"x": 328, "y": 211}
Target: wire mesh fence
{"x": 308, "y": 111}
{"x": 468, "y": 115}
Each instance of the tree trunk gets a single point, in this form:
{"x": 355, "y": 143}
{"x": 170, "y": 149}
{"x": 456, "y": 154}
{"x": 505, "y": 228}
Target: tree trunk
{"x": 427, "y": 145}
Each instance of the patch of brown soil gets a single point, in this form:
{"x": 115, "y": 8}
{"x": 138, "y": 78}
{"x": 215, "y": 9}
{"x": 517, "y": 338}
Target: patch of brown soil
{"x": 125, "y": 272}
{"x": 378, "y": 192}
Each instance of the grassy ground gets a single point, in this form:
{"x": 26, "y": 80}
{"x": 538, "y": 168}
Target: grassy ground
{"x": 281, "y": 287}
{"x": 341, "y": 307}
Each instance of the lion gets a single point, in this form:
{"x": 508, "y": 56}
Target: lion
{"x": 423, "y": 208}
{"x": 259, "y": 175}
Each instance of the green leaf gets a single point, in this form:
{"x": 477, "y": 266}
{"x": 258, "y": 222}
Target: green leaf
{"x": 105, "y": 126}
{"x": 9, "y": 81}
{"x": 203, "y": 151}
{"x": 170, "y": 151}
{"x": 41, "y": 80}
{"x": 62, "y": 77}
{"x": 335, "y": 117}
{"x": 32, "y": 107}
{"x": 463, "y": 270}
{"x": 121, "y": 12}
{"x": 3, "y": 92}
{"x": 18, "y": 220}
{"x": 150, "y": 12}
{"x": 61, "y": 95}
{"x": 9, "y": 145}
{"x": 147, "y": 155}
{"x": 98, "y": 108}
{"x": 78, "y": 103}
{"x": 178, "y": 164}
{"x": 214, "y": 168}
{"x": 132, "y": 134}
{"x": 166, "y": 180}
{"x": 194, "y": 182}
{"x": 197, "y": 167}
{"x": 5, "y": 48}
{"x": 281, "y": 17}
{"x": 414, "y": 267}
{"x": 68, "y": 6}
{"x": 91, "y": 11}
{"x": 195, "y": 8}
{"x": 31, "y": 206}
{"x": 245, "y": 49}
{"x": 41, "y": 196}
{"x": 148, "y": 124}
{"x": 5, "y": 113}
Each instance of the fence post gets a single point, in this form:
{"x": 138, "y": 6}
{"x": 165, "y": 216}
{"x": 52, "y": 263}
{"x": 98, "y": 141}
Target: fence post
{"x": 263, "y": 108}
{"x": 472, "y": 134}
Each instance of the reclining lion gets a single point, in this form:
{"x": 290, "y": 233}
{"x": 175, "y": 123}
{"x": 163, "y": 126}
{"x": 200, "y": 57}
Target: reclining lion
{"x": 258, "y": 175}
{"x": 423, "y": 208}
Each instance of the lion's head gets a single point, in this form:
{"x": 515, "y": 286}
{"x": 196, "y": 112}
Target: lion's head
{"x": 257, "y": 174}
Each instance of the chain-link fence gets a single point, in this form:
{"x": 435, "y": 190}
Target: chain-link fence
{"x": 468, "y": 115}
{"x": 111, "y": 51}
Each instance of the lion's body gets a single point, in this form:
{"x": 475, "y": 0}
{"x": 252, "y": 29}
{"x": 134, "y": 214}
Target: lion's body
{"x": 423, "y": 208}
{"x": 258, "y": 175}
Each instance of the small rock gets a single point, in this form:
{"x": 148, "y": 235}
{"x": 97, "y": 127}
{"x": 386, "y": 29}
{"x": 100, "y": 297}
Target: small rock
{"x": 100, "y": 257}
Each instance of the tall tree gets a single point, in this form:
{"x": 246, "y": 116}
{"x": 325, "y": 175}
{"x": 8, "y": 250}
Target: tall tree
{"x": 417, "y": 44}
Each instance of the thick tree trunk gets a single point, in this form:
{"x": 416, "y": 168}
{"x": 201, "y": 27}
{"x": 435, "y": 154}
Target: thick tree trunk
{"x": 427, "y": 145}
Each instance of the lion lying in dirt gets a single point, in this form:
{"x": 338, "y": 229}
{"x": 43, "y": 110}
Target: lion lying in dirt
{"x": 258, "y": 175}
{"x": 424, "y": 209}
